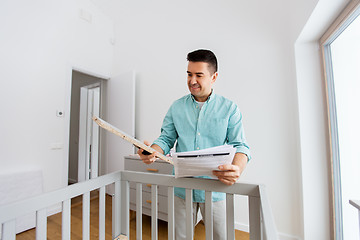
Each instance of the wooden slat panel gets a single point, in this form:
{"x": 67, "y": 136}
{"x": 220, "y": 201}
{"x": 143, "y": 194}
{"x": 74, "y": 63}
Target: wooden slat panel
{"x": 138, "y": 211}
{"x": 125, "y": 205}
{"x": 8, "y": 231}
{"x": 171, "y": 214}
{"x": 154, "y": 212}
{"x": 128, "y": 138}
{"x": 254, "y": 218}
{"x": 41, "y": 224}
{"x": 230, "y": 217}
{"x": 208, "y": 216}
{"x": 66, "y": 220}
{"x": 189, "y": 214}
{"x": 102, "y": 209}
{"x": 86, "y": 216}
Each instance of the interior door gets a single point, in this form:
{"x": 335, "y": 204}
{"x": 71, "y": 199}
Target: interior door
{"x": 88, "y": 163}
{"x": 121, "y": 114}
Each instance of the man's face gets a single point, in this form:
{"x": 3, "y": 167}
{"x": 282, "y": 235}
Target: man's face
{"x": 200, "y": 80}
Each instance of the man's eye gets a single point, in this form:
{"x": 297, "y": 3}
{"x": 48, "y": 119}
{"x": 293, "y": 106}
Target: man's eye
{"x": 199, "y": 76}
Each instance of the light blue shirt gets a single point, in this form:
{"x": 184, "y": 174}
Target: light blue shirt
{"x": 216, "y": 123}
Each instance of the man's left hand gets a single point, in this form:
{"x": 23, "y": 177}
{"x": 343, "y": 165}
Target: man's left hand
{"x": 228, "y": 173}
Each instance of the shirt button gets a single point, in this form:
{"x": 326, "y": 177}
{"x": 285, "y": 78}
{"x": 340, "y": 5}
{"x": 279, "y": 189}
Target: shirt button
{"x": 197, "y": 148}
{"x": 198, "y": 133}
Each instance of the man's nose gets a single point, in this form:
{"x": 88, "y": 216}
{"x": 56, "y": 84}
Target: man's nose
{"x": 192, "y": 80}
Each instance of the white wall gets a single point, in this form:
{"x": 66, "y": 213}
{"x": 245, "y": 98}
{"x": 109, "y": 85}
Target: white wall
{"x": 254, "y": 42}
{"x": 40, "y": 42}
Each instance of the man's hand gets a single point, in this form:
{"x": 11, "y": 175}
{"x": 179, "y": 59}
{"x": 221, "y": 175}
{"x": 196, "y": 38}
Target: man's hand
{"x": 148, "y": 159}
{"x": 230, "y": 173}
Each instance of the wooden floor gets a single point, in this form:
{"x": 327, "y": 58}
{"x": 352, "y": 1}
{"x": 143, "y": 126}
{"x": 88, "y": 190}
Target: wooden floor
{"x": 54, "y": 224}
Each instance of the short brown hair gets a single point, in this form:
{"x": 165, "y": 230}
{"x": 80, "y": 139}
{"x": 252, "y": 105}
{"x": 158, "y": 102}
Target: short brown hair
{"x": 203, "y": 55}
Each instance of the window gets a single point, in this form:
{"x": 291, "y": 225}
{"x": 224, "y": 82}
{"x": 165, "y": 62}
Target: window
{"x": 341, "y": 51}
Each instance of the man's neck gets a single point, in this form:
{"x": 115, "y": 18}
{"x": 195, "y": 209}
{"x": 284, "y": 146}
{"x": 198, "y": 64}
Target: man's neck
{"x": 203, "y": 99}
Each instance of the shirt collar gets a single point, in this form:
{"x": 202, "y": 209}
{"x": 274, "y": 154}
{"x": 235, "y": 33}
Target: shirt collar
{"x": 210, "y": 98}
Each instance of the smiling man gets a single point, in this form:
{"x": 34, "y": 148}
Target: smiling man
{"x": 199, "y": 120}
{"x": 200, "y": 80}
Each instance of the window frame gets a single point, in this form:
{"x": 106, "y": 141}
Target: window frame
{"x": 346, "y": 17}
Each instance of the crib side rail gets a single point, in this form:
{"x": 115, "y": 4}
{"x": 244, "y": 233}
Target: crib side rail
{"x": 38, "y": 204}
{"x": 262, "y": 224}
{"x": 259, "y": 207}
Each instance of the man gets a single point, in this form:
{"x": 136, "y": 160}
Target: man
{"x": 197, "y": 121}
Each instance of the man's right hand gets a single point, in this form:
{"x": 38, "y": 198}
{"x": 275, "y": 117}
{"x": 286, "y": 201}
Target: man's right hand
{"x": 148, "y": 159}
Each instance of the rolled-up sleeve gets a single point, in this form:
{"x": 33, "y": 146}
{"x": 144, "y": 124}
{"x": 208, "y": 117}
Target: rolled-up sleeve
{"x": 236, "y": 133}
{"x": 168, "y": 135}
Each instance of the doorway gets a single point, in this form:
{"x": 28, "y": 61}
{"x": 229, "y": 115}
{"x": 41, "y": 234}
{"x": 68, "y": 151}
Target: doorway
{"x": 85, "y": 159}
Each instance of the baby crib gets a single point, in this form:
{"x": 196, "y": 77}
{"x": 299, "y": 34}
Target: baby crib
{"x": 260, "y": 217}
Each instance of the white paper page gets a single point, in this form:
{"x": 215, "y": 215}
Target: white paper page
{"x": 213, "y": 150}
{"x": 202, "y": 162}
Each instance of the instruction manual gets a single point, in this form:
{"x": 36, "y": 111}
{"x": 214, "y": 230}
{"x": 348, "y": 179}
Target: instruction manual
{"x": 202, "y": 162}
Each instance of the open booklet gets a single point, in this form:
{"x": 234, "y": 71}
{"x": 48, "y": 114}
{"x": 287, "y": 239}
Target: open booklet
{"x": 202, "y": 162}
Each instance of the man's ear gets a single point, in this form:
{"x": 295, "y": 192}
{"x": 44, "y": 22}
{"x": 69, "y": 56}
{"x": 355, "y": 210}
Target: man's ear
{"x": 214, "y": 77}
